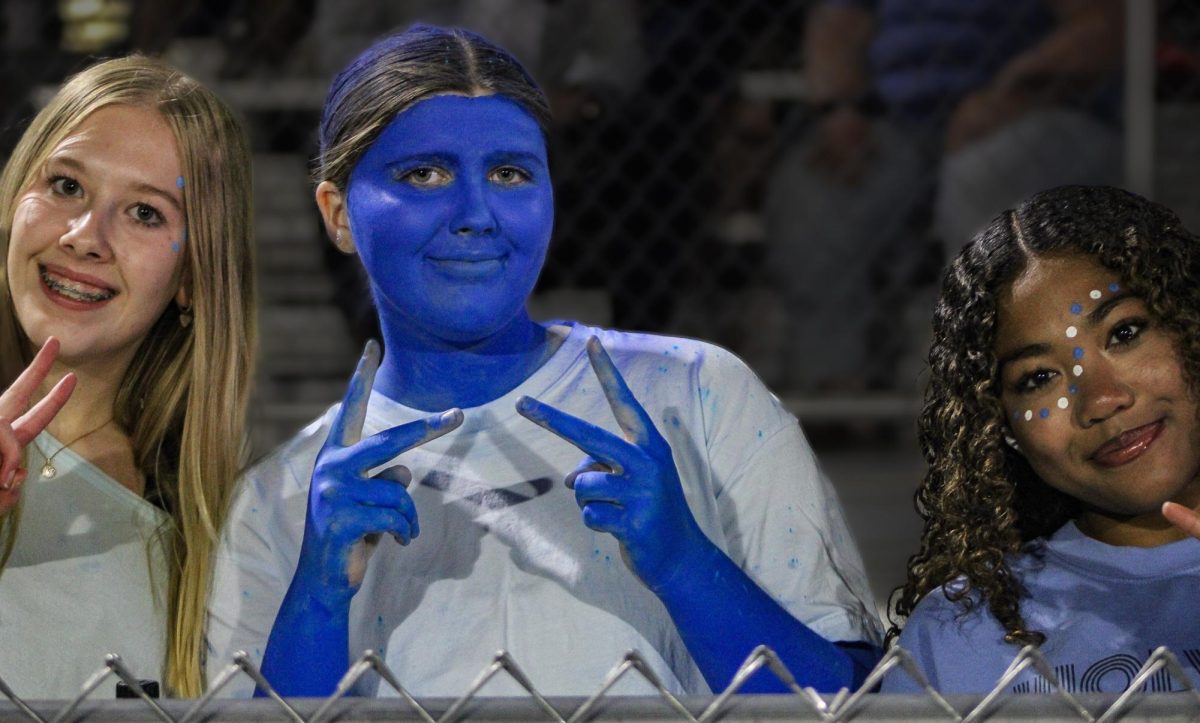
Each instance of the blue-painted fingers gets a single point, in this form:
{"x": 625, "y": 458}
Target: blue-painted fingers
{"x": 381, "y": 447}
{"x": 587, "y": 465}
{"x": 347, "y": 508}
{"x": 348, "y": 422}
{"x": 630, "y": 415}
{"x": 603, "y": 446}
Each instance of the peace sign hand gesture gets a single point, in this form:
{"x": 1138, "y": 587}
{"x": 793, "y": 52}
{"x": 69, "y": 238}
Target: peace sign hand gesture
{"x": 347, "y": 510}
{"x": 20, "y": 423}
{"x": 629, "y": 486}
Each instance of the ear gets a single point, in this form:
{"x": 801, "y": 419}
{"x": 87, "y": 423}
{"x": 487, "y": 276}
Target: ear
{"x": 332, "y": 204}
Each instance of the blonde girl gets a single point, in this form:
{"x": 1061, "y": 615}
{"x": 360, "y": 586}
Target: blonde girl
{"x": 125, "y": 233}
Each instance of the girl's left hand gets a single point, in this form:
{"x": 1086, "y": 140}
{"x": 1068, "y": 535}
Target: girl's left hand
{"x": 1182, "y": 517}
{"x": 627, "y": 487}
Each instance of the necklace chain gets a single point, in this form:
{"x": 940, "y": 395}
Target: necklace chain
{"x": 48, "y": 469}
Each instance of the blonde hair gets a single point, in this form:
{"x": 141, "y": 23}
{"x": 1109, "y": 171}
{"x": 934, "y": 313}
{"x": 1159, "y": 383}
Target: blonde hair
{"x": 183, "y": 399}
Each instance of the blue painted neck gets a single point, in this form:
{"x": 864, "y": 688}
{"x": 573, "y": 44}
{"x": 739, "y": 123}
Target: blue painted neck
{"x": 432, "y": 374}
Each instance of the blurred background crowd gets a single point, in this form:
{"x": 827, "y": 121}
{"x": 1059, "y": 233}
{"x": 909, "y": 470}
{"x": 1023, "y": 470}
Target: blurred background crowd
{"x": 786, "y": 178}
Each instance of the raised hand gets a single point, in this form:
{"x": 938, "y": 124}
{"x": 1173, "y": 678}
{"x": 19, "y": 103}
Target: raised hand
{"x": 1182, "y": 517}
{"x": 20, "y": 423}
{"x": 347, "y": 510}
{"x": 629, "y": 486}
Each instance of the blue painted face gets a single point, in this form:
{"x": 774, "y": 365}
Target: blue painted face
{"x": 451, "y": 210}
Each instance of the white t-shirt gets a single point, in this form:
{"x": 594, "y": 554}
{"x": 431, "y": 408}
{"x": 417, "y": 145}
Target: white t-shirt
{"x": 503, "y": 560}
{"x": 87, "y": 577}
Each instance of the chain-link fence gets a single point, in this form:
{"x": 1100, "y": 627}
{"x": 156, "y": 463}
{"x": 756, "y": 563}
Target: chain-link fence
{"x": 1141, "y": 695}
{"x": 783, "y": 177}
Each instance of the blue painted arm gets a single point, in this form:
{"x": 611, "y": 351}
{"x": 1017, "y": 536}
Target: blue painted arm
{"x": 629, "y": 487}
{"x": 308, "y": 648}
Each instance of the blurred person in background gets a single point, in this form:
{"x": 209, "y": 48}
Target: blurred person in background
{"x": 926, "y": 113}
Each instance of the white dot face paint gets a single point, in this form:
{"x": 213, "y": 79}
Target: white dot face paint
{"x": 1028, "y": 414}
{"x": 1062, "y": 402}
{"x": 1077, "y": 370}
{"x": 1072, "y": 332}
{"x": 1094, "y": 294}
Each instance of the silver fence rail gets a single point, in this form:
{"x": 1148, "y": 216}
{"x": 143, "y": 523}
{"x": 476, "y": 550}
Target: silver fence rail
{"x": 1133, "y": 704}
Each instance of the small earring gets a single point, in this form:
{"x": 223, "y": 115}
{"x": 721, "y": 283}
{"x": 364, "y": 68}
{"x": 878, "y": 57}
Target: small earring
{"x": 337, "y": 237}
{"x": 1011, "y": 441}
{"x": 185, "y": 316}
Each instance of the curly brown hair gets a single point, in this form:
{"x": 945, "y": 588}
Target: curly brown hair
{"x": 980, "y": 500}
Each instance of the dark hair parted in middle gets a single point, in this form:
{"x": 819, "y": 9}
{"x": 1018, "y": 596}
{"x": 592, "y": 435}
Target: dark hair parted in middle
{"x": 980, "y": 500}
{"x": 404, "y": 69}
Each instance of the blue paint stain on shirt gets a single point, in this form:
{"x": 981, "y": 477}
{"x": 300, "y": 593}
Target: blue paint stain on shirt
{"x": 760, "y": 434}
{"x": 793, "y": 563}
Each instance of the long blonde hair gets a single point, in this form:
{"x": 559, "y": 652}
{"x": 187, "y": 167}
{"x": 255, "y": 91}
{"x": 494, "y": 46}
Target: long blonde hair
{"x": 183, "y": 399}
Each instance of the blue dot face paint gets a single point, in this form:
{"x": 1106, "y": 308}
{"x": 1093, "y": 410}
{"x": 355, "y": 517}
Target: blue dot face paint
{"x": 1077, "y": 352}
{"x": 1043, "y": 412}
{"x": 1076, "y": 309}
{"x": 451, "y": 210}
{"x": 179, "y": 182}
{"x": 1114, "y": 287}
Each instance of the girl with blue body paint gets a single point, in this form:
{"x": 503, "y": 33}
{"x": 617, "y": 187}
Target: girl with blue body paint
{"x": 706, "y": 528}
{"x": 1062, "y": 429}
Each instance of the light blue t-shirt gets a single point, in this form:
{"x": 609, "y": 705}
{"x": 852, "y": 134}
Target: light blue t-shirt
{"x": 1104, "y": 610}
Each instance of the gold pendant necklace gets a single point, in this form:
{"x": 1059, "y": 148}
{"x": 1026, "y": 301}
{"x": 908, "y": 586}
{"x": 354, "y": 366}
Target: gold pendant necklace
{"x": 49, "y": 471}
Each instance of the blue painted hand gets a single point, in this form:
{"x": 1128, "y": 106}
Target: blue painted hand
{"x": 348, "y": 510}
{"x": 626, "y": 487}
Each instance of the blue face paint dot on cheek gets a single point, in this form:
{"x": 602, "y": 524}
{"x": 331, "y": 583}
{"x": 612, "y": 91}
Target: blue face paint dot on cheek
{"x": 1114, "y": 287}
{"x": 1077, "y": 309}
{"x": 1074, "y": 389}
{"x": 1044, "y": 412}
{"x": 174, "y": 247}
{"x": 1077, "y": 352}
{"x": 179, "y": 182}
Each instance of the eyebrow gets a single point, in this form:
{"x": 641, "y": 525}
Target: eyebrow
{"x": 140, "y": 186}
{"x": 1095, "y": 316}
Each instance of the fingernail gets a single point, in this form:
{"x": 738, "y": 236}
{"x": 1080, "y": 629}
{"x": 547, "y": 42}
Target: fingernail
{"x": 523, "y": 404}
{"x": 569, "y": 480}
{"x": 8, "y": 480}
{"x": 450, "y": 416}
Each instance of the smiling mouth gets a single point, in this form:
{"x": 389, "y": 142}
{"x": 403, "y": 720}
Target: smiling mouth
{"x": 73, "y": 289}
{"x": 1128, "y": 446}
{"x": 469, "y": 267}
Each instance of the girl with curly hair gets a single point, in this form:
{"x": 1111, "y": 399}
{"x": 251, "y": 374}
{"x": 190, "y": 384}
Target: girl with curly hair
{"x": 1061, "y": 431}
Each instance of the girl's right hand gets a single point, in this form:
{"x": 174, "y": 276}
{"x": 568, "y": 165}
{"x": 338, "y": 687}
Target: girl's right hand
{"x": 347, "y": 510}
{"x": 20, "y": 423}
{"x": 1182, "y": 517}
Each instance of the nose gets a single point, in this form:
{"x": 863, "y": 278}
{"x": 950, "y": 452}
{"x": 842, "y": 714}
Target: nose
{"x": 474, "y": 215}
{"x": 1102, "y": 392}
{"x": 87, "y": 236}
